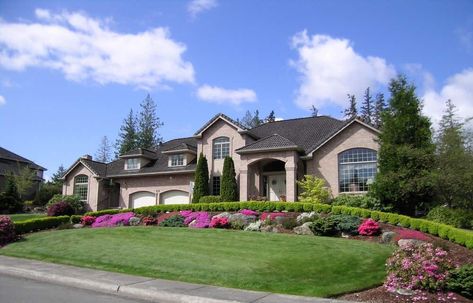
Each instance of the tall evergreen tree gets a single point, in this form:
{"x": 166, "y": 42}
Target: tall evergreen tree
{"x": 251, "y": 120}
{"x": 314, "y": 111}
{"x": 128, "y": 136}
{"x": 455, "y": 163}
{"x": 366, "y": 112}
{"x": 379, "y": 107}
{"x": 271, "y": 117}
{"x": 351, "y": 111}
{"x": 56, "y": 177}
{"x": 148, "y": 125}
{"x": 10, "y": 201}
{"x": 229, "y": 187}
{"x": 104, "y": 152}
{"x": 406, "y": 178}
{"x": 201, "y": 179}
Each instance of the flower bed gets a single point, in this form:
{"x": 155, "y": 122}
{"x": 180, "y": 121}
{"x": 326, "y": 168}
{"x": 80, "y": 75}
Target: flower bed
{"x": 113, "y": 220}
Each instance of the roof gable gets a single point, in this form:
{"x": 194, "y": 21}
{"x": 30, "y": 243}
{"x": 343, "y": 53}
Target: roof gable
{"x": 239, "y": 127}
{"x": 98, "y": 169}
{"x": 272, "y": 142}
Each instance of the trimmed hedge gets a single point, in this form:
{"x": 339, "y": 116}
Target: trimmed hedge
{"x": 40, "y": 224}
{"x": 210, "y": 199}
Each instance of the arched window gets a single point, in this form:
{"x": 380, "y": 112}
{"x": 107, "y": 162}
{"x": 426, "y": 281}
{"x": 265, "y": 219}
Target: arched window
{"x": 221, "y": 147}
{"x": 81, "y": 187}
{"x": 356, "y": 169}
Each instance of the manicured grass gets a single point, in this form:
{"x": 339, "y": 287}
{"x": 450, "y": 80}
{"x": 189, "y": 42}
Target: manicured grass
{"x": 303, "y": 265}
{"x": 23, "y": 217}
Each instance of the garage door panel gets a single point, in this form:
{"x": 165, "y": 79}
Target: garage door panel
{"x": 174, "y": 197}
{"x": 141, "y": 199}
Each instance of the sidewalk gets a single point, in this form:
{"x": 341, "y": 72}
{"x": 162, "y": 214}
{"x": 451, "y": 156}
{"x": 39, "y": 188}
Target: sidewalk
{"x": 154, "y": 290}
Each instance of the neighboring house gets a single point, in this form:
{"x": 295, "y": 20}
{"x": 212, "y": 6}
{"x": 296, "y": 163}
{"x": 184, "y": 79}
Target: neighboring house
{"x": 11, "y": 163}
{"x": 269, "y": 159}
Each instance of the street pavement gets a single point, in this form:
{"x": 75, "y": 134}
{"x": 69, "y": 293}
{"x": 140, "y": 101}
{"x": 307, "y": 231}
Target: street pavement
{"x": 133, "y": 287}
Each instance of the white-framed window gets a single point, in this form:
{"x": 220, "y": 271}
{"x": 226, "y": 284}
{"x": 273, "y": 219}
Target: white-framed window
{"x": 221, "y": 147}
{"x": 133, "y": 163}
{"x": 357, "y": 169}
{"x": 177, "y": 160}
{"x": 81, "y": 187}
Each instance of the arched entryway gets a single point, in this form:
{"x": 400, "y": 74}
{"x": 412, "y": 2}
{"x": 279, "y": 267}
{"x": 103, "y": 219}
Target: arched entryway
{"x": 267, "y": 179}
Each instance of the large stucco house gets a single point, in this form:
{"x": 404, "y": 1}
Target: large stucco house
{"x": 269, "y": 159}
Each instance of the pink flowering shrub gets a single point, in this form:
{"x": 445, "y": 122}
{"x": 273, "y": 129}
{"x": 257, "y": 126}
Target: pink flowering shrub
{"x": 369, "y": 227}
{"x": 417, "y": 267}
{"x": 410, "y": 234}
{"x": 199, "y": 219}
{"x": 7, "y": 230}
{"x": 219, "y": 222}
{"x": 248, "y": 212}
{"x": 87, "y": 220}
{"x": 271, "y": 216}
{"x": 113, "y": 220}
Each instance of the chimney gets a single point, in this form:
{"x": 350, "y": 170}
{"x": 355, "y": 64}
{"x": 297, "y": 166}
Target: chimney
{"x": 87, "y": 157}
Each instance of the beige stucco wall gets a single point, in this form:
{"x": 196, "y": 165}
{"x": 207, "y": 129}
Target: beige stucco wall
{"x": 156, "y": 184}
{"x": 325, "y": 160}
{"x": 92, "y": 193}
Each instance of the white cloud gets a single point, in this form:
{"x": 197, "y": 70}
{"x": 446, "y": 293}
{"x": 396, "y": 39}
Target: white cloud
{"x": 196, "y": 7}
{"x": 330, "y": 69}
{"x": 84, "y": 48}
{"x": 2, "y": 100}
{"x": 458, "y": 88}
{"x": 220, "y": 95}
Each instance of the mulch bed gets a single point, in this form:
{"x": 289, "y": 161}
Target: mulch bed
{"x": 459, "y": 254}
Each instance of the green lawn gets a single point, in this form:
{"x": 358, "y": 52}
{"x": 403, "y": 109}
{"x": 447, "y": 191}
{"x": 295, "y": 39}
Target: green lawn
{"x": 23, "y": 217}
{"x": 303, "y": 265}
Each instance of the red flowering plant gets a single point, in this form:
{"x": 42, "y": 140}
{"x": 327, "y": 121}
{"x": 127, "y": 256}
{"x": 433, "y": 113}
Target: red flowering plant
{"x": 418, "y": 267}
{"x": 7, "y": 230}
{"x": 87, "y": 220}
{"x": 148, "y": 220}
{"x": 369, "y": 227}
{"x": 219, "y": 222}
{"x": 410, "y": 234}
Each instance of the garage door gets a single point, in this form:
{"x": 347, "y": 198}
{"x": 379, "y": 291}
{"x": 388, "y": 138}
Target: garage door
{"x": 143, "y": 198}
{"x": 175, "y": 197}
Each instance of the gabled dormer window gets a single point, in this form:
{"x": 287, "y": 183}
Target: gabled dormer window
{"x": 177, "y": 160}
{"x": 133, "y": 163}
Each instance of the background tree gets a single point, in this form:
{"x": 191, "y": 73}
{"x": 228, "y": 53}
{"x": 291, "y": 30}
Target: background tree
{"x": 24, "y": 180}
{"x": 366, "y": 112}
{"x": 406, "y": 178}
{"x": 56, "y": 177}
{"x": 251, "y": 120}
{"x": 314, "y": 111}
{"x": 148, "y": 125}
{"x": 271, "y": 117}
{"x": 229, "y": 187}
{"x": 455, "y": 163}
{"x": 351, "y": 111}
{"x": 10, "y": 201}
{"x": 128, "y": 136}
{"x": 379, "y": 107}
{"x": 104, "y": 152}
{"x": 201, "y": 180}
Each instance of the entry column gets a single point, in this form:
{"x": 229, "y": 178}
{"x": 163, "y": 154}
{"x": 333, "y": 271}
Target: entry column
{"x": 243, "y": 184}
{"x": 291, "y": 185}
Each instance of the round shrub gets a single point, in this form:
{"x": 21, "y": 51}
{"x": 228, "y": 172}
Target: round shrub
{"x": 60, "y": 209}
{"x": 219, "y": 222}
{"x": 324, "y": 226}
{"x": 346, "y": 224}
{"x": 7, "y": 230}
{"x": 369, "y": 227}
{"x": 173, "y": 221}
{"x": 460, "y": 280}
{"x": 87, "y": 220}
{"x": 74, "y": 201}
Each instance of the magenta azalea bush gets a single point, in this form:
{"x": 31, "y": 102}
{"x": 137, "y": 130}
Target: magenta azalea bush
{"x": 417, "y": 267}
{"x": 7, "y": 230}
{"x": 113, "y": 220}
{"x": 369, "y": 227}
{"x": 248, "y": 212}
{"x": 219, "y": 222}
{"x": 199, "y": 219}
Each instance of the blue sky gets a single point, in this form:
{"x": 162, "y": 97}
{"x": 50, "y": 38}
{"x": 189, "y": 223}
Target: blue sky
{"x": 71, "y": 70}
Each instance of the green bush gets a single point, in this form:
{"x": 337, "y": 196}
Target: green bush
{"x": 460, "y": 280}
{"x": 40, "y": 224}
{"x": 346, "y": 224}
{"x": 74, "y": 201}
{"x": 106, "y": 212}
{"x": 76, "y": 219}
{"x": 361, "y": 201}
{"x": 323, "y": 226}
{"x": 46, "y": 192}
{"x": 314, "y": 190}
{"x": 174, "y": 221}
{"x": 210, "y": 199}
{"x": 460, "y": 218}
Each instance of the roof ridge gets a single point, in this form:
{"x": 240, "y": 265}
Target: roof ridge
{"x": 293, "y": 119}
{"x": 264, "y": 138}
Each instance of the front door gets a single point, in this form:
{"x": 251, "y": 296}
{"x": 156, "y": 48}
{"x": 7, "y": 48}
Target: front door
{"x": 277, "y": 187}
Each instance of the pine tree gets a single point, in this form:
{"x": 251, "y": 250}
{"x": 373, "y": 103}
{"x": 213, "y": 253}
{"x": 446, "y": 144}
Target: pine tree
{"x": 314, "y": 111}
{"x": 56, "y": 177}
{"x": 455, "y": 163}
{"x": 351, "y": 111}
{"x": 128, "y": 136}
{"x": 406, "y": 178}
{"x": 379, "y": 107}
{"x": 271, "y": 117}
{"x": 10, "y": 201}
{"x": 367, "y": 107}
{"x": 104, "y": 152}
{"x": 251, "y": 120}
{"x": 148, "y": 125}
{"x": 201, "y": 180}
{"x": 229, "y": 187}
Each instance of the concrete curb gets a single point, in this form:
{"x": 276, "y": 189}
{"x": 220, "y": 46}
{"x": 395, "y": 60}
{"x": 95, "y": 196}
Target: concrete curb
{"x": 148, "y": 289}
